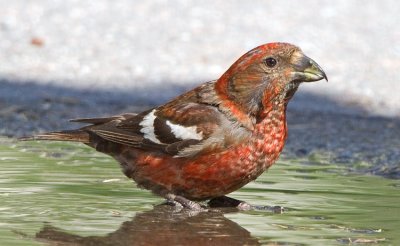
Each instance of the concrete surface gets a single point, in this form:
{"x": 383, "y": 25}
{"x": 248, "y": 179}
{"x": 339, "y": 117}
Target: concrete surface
{"x": 133, "y": 44}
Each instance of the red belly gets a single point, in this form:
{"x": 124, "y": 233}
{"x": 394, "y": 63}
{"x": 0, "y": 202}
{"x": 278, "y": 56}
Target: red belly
{"x": 201, "y": 177}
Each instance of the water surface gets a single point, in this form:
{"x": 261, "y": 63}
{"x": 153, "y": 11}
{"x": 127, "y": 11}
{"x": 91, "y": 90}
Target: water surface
{"x": 67, "y": 194}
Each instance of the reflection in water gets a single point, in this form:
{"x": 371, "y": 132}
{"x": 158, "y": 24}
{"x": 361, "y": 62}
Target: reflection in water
{"x": 161, "y": 226}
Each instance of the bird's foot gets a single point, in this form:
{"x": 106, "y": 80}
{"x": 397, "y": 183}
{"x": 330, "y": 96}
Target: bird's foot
{"x": 224, "y": 201}
{"x": 274, "y": 209}
{"x": 184, "y": 202}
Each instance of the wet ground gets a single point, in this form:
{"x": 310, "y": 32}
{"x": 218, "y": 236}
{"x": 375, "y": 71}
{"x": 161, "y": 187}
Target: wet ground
{"x": 67, "y": 194}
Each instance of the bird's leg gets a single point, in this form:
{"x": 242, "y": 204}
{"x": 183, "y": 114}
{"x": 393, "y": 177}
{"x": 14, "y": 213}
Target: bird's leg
{"x": 186, "y": 203}
{"x": 224, "y": 201}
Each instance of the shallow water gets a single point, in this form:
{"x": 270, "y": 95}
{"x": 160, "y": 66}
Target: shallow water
{"x": 67, "y": 194}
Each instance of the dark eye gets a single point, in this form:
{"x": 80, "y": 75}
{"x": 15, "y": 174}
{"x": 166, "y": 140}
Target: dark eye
{"x": 271, "y": 62}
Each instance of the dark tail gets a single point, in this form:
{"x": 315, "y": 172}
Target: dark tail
{"x": 71, "y": 135}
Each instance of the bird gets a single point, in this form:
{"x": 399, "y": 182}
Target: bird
{"x": 211, "y": 140}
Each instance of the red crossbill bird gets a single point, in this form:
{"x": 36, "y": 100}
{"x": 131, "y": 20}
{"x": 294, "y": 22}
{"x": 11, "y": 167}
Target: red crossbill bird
{"x": 209, "y": 141}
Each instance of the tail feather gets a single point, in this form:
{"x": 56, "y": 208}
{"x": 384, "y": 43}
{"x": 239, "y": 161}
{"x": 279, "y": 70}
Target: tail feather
{"x": 69, "y": 135}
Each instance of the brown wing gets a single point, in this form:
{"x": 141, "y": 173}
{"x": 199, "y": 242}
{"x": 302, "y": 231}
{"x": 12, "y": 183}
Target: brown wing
{"x": 168, "y": 129}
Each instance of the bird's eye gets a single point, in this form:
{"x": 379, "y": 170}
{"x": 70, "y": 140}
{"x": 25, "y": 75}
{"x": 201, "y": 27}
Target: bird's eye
{"x": 271, "y": 62}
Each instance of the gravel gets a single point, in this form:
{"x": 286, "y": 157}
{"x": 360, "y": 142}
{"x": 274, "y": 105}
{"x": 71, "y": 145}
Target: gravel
{"x": 68, "y": 59}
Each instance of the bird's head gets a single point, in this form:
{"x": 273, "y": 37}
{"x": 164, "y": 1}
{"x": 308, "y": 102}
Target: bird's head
{"x": 268, "y": 72}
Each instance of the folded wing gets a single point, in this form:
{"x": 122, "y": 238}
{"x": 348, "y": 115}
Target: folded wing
{"x": 182, "y": 130}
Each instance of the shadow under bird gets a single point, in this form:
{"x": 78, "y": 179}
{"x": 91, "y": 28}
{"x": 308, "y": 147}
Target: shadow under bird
{"x": 212, "y": 140}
